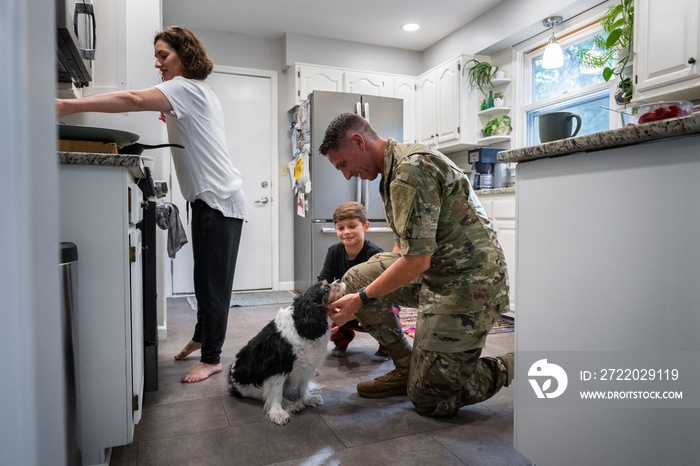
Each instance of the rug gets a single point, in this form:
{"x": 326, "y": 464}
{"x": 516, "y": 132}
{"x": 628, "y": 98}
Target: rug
{"x": 253, "y": 298}
{"x": 407, "y": 317}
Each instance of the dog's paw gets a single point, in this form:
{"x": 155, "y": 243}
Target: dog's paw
{"x": 313, "y": 400}
{"x": 278, "y": 416}
{"x": 295, "y": 406}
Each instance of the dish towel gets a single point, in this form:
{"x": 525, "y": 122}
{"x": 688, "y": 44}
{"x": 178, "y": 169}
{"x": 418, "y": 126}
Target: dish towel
{"x": 168, "y": 218}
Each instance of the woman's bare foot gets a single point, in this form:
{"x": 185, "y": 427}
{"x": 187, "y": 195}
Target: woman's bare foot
{"x": 189, "y": 348}
{"x": 201, "y": 371}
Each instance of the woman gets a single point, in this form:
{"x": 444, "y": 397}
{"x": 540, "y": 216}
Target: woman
{"x": 206, "y": 176}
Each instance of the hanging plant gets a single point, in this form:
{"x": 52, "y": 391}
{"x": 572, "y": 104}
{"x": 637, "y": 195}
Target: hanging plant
{"x": 480, "y": 74}
{"x": 618, "y": 24}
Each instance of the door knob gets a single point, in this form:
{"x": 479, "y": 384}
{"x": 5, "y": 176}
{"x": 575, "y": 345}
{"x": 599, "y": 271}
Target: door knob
{"x": 262, "y": 200}
{"x": 691, "y": 60}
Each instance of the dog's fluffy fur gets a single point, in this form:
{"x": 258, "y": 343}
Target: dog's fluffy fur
{"x": 279, "y": 363}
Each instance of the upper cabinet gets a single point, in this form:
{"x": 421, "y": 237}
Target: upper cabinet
{"x": 309, "y": 78}
{"x": 446, "y": 108}
{"x": 666, "y": 42}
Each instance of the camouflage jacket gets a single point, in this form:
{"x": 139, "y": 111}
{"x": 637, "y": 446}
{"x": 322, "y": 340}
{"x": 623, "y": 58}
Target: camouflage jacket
{"x": 433, "y": 210}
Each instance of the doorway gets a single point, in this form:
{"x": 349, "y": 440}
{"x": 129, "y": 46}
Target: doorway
{"x": 249, "y": 101}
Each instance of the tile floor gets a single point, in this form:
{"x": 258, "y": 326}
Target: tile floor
{"x": 200, "y": 424}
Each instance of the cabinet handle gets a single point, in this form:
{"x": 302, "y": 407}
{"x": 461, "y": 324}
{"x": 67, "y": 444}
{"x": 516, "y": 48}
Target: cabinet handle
{"x": 691, "y": 60}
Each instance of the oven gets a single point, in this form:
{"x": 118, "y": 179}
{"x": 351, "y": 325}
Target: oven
{"x": 75, "y": 44}
{"x": 151, "y": 192}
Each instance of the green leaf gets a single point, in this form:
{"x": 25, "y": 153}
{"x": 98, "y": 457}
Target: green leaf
{"x": 612, "y": 38}
{"x": 607, "y": 73}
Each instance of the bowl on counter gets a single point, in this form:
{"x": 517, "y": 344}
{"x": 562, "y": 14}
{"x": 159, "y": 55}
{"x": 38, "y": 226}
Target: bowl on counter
{"x": 646, "y": 113}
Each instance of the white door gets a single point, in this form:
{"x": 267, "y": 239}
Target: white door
{"x": 249, "y": 114}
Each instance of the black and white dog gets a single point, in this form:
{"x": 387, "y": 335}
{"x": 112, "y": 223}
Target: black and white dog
{"x": 279, "y": 364}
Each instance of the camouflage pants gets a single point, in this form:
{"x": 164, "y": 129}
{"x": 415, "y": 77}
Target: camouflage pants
{"x": 440, "y": 382}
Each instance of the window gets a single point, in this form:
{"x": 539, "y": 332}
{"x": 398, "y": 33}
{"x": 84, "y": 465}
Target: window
{"x": 571, "y": 88}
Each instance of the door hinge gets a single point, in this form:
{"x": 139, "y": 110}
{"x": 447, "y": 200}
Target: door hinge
{"x": 135, "y": 403}
{"x": 458, "y": 129}
{"x": 132, "y": 254}
{"x": 459, "y": 66}
{"x": 635, "y": 79}
{"x": 299, "y": 74}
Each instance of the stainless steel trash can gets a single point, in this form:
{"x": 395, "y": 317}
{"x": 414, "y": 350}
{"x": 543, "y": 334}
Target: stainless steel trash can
{"x": 68, "y": 269}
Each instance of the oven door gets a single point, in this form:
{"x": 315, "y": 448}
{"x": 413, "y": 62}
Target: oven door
{"x": 75, "y": 44}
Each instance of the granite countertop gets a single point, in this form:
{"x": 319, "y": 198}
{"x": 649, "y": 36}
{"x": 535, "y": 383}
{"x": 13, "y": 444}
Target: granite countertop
{"x": 134, "y": 163}
{"x": 481, "y": 192}
{"x": 607, "y": 139}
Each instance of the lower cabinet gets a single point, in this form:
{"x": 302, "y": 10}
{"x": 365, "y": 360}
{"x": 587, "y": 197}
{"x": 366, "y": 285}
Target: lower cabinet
{"x": 500, "y": 208}
{"x": 96, "y": 216}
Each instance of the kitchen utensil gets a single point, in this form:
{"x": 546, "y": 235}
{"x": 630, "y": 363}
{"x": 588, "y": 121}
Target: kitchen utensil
{"x": 614, "y": 110}
{"x": 656, "y": 111}
{"x": 91, "y": 133}
{"x": 137, "y": 149}
{"x": 557, "y": 125}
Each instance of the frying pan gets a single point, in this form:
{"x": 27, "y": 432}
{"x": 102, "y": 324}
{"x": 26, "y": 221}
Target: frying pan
{"x": 125, "y": 141}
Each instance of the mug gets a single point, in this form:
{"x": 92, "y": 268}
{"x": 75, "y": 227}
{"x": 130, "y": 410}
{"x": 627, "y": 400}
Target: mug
{"x": 557, "y": 125}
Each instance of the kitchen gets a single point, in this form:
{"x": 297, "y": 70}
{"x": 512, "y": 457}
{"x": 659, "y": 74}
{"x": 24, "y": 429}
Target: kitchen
{"x": 29, "y": 181}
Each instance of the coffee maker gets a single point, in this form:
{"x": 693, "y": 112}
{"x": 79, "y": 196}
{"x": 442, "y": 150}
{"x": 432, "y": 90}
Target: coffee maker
{"x": 488, "y": 172}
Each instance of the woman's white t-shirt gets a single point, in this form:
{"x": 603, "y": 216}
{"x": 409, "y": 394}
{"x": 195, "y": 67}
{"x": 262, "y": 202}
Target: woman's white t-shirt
{"x": 204, "y": 168}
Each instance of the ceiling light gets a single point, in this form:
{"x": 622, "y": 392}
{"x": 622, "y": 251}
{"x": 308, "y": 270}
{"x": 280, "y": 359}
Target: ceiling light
{"x": 553, "y": 56}
{"x": 410, "y": 27}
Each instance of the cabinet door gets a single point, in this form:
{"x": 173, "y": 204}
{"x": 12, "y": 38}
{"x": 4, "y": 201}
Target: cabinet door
{"x": 448, "y": 102}
{"x": 504, "y": 224}
{"x": 405, "y": 88}
{"x": 137, "y": 348}
{"x": 667, "y": 42}
{"x": 426, "y": 100}
{"x": 317, "y": 78}
{"x": 370, "y": 84}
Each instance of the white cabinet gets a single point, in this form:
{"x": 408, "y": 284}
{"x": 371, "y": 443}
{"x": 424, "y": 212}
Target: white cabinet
{"x": 446, "y": 108}
{"x": 359, "y": 82}
{"x": 667, "y": 46}
{"x": 500, "y": 208}
{"x": 96, "y": 216}
{"x": 405, "y": 88}
{"x": 311, "y": 78}
{"x": 426, "y": 107}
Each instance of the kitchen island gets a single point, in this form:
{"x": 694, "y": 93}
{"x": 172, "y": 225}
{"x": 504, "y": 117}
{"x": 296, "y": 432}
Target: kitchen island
{"x": 100, "y": 208}
{"x": 608, "y": 276}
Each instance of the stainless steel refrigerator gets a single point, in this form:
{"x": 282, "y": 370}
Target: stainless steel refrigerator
{"x": 314, "y": 233}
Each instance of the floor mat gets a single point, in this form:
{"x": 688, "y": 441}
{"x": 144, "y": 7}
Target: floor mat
{"x": 253, "y": 298}
{"x": 407, "y": 317}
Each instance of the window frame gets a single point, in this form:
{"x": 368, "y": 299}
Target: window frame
{"x": 574, "y": 30}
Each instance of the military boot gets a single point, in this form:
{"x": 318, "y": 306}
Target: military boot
{"x": 395, "y": 382}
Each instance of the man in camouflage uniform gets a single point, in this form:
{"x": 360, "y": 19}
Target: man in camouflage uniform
{"x": 450, "y": 267}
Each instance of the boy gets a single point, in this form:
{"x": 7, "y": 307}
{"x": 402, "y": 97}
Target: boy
{"x": 350, "y": 221}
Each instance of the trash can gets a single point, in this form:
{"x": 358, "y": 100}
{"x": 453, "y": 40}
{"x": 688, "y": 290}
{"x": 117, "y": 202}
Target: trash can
{"x": 68, "y": 269}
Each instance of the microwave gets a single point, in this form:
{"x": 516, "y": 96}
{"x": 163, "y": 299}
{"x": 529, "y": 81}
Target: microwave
{"x": 75, "y": 45}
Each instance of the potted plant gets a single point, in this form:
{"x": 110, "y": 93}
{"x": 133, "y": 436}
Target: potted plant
{"x": 480, "y": 74}
{"x": 618, "y": 24}
{"x": 498, "y": 100}
{"x": 499, "y": 126}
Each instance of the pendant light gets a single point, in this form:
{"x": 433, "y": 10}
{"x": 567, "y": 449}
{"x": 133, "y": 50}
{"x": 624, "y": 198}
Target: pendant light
{"x": 553, "y": 56}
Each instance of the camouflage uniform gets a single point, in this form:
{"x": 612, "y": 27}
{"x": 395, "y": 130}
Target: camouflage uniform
{"x": 433, "y": 210}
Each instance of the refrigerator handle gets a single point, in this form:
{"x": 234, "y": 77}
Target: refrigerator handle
{"x": 358, "y": 108}
{"x": 366, "y": 112}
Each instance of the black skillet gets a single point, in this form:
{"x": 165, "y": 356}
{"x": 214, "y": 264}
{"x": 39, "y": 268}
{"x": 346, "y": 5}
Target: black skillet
{"x": 125, "y": 141}
{"x": 136, "y": 148}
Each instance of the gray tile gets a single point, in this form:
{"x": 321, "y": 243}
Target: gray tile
{"x": 416, "y": 450}
{"x": 484, "y": 442}
{"x": 173, "y": 419}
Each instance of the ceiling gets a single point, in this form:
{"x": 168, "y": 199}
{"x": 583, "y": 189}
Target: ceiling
{"x": 375, "y": 22}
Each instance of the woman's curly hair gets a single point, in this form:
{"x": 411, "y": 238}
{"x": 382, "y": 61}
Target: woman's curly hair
{"x": 195, "y": 62}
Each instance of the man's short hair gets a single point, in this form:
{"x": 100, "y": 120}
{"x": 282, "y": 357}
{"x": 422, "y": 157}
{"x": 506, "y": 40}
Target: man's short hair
{"x": 340, "y": 127}
{"x": 350, "y": 210}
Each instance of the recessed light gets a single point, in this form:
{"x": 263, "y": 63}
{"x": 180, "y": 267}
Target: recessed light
{"x": 410, "y": 27}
